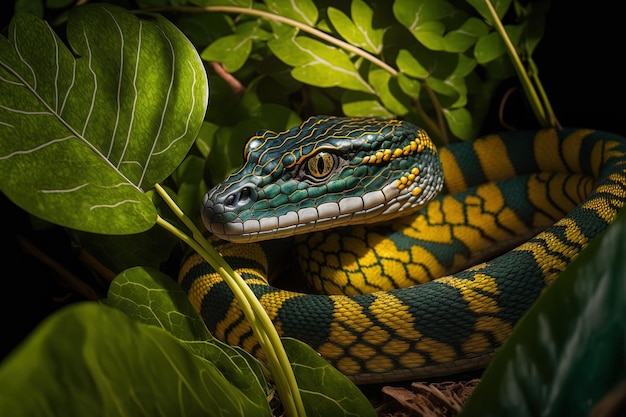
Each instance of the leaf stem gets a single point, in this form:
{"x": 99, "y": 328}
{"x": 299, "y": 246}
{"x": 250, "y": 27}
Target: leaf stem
{"x": 304, "y": 27}
{"x": 534, "y": 76}
{"x": 263, "y": 328}
{"x": 527, "y": 85}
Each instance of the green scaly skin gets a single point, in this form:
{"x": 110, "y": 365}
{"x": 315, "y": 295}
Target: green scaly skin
{"x": 451, "y": 315}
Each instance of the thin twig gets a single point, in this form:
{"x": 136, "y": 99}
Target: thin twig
{"x": 95, "y": 265}
{"x": 235, "y": 85}
{"x": 70, "y": 279}
{"x": 502, "y": 106}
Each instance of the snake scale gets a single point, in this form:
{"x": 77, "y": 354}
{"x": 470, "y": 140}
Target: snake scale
{"x": 420, "y": 260}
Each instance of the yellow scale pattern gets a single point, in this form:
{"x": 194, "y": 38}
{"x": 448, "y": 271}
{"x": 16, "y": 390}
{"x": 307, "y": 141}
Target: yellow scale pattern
{"x": 352, "y": 262}
{"x": 415, "y": 146}
{"x": 380, "y": 340}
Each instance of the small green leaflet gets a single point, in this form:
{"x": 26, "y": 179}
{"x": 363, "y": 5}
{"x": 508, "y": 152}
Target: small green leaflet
{"x": 358, "y": 31}
{"x": 318, "y": 64}
{"x": 304, "y": 11}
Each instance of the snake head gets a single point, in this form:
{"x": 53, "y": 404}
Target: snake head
{"x": 327, "y": 172}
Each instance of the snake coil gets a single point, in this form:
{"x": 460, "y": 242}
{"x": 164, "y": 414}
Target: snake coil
{"x": 432, "y": 284}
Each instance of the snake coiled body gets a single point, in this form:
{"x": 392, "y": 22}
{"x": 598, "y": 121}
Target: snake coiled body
{"x": 513, "y": 211}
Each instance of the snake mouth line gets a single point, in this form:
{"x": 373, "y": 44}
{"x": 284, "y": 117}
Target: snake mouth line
{"x": 325, "y": 173}
{"x": 375, "y": 206}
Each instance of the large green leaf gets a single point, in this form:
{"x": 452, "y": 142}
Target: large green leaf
{"x": 90, "y": 359}
{"x": 84, "y": 131}
{"x": 569, "y": 350}
{"x": 325, "y": 391}
{"x": 153, "y": 298}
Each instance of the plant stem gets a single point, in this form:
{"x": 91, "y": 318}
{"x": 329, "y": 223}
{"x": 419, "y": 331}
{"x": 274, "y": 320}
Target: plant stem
{"x": 440, "y": 126}
{"x": 303, "y": 27}
{"x": 261, "y": 324}
{"x": 527, "y": 85}
{"x": 534, "y": 76}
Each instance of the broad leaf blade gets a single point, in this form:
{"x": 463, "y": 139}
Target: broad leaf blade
{"x": 91, "y": 359}
{"x": 325, "y": 391}
{"x": 81, "y": 136}
{"x": 151, "y": 297}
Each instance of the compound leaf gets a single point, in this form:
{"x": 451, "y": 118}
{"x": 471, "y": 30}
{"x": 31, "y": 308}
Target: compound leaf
{"x": 318, "y": 64}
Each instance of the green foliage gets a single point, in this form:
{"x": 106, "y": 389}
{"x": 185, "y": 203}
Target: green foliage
{"x": 433, "y": 62}
{"x": 102, "y": 117}
{"x": 152, "y": 298}
{"x": 158, "y": 358}
{"x": 91, "y": 359}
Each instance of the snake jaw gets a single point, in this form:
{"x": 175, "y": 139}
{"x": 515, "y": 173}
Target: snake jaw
{"x": 327, "y": 172}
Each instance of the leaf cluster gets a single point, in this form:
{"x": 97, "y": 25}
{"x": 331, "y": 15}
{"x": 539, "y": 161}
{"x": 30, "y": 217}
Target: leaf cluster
{"x": 145, "y": 351}
{"x": 434, "y": 62}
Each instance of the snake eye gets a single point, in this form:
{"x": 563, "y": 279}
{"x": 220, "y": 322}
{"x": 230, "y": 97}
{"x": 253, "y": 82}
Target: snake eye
{"x": 320, "y": 165}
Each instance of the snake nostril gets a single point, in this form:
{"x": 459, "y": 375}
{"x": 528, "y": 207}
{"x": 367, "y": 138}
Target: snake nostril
{"x": 245, "y": 194}
{"x": 239, "y": 197}
{"x": 230, "y": 200}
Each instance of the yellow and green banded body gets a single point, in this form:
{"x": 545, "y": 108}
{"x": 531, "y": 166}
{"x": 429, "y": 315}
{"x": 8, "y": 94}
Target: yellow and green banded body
{"x": 436, "y": 291}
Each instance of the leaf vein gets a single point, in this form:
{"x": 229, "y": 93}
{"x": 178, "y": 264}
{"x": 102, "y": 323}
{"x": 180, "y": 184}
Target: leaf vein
{"x": 69, "y": 190}
{"x": 165, "y": 106}
{"x": 95, "y": 83}
{"x": 36, "y": 148}
{"x": 19, "y": 54}
{"x": 189, "y": 114}
{"x": 119, "y": 85}
{"x": 118, "y": 203}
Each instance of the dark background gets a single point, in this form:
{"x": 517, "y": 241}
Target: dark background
{"x": 580, "y": 64}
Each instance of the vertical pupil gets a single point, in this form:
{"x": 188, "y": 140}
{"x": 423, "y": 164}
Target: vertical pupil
{"x": 321, "y": 163}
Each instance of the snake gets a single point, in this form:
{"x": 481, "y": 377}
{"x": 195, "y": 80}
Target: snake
{"x": 418, "y": 260}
